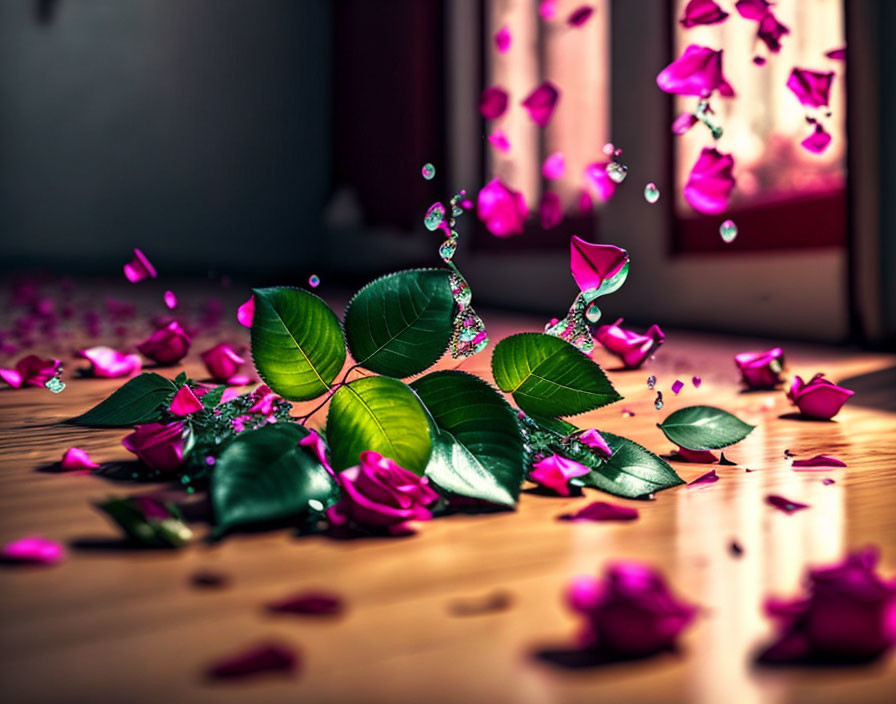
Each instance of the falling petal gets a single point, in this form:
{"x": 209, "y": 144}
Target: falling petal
{"x": 269, "y": 657}
{"x": 819, "y": 461}
{"x": 554, "y": 166}
{"x": 698, "y": 71}
{"x": 631, "y": 347}
{"x": 501, "y": 209}
{"x": 709, "y": 478}
{"x": 837, "y": 54}
{"x": 785, "y": 505}
{"x": 698, "y": 12}
{"x": 580, "y": 16}
{"x": 818, "y": 141}
{"x": 170, "y": 300}
{"x": 502, "y": 39}
{"x": 550, "y": 211}
{"x": 597, "y": 176}
{"x": 76, "y": 458}
{"x": 108, "y": 363}
{"x": 33, "y": 550}
{"x": 601, "y": 511}
{"x": 683, "y": 123}
{"x": 597, "y": 267}
{"x": 493, "y": 102}
{"x": 499, "y": 141}
{"x": 540, "y": 103}
{"x": 139, "y": 268}
{"x": 812, "y": 88}
{"x": 710, "y": 182}
{"x": 770, "y": 31}
{"x": 752, "y": 9}
{"x": 548, "y": 9}
{"x": 308, "y": 604}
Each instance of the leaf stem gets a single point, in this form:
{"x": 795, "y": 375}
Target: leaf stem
{"x": 304, "y": 419}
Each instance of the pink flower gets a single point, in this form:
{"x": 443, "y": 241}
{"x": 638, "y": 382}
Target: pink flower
{"x": 268, "y": 657}
{"x": 264, "y": 400}
{"x": 770, "y": 31}
{"x": 683, "y": 123}
{"x": 818, "y": 398}
{"x": 76, "y": 458}
{"x": 139, "y": 268}
{"x": 308, "y": 604}
{"x": 550, "y": 211}
{"x": 595, "y": 266}
{"x": 540, "y": 103}
{"x": 602, "y": 511}
{"x": 33, "y": 550}
{"x": 630, "y": 612}
{"x": 783, "y": 504}
{"x": 702, "y": 12}
{"x": 698, "y": 71}
{"x": 683, "y": 454}
{"x": 499, "y": 141}
{"x": 819, "y": 461}
{"x": 158, "y": 445}
{"x": 631, "y": 347}
{"x": 554, "y": 473}
{"x": 31, "y": 371}
{"x": 710, "y": 182}
{"x": 596, "y": 174}
{"x": 379, "y": 494}
{"x": 593, "y": 439}
{"x": 502, "y": 39}
{"x": 184, "y": 402}
{"x": 848, "y": 615}
{"x": 501, "y": 209}
{"x": 761, "y": 370}
{"x": 554, "y": 166}
{"x": 812, "y": 88}
{"x": 108, "y": 363}
{"x": 493, "y": 102}
{"x": 818, "y": 141}
{"x": 709, "y": 478}
{"x": 315, "y": 443}
{"x": 170, "y": 300}
{"x": 246, "y": 312}
{"x": 222, "y": 362}
{"x": 752, "y": 9}
{"x": 580, "y": 16}
{"x": 167, "y": 345}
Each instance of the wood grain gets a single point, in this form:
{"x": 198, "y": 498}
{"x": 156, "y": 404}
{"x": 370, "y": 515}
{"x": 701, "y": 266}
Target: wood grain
{"x": 115, "y": 625}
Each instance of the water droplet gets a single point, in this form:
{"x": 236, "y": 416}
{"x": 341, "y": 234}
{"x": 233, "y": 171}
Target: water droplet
{"x": 658, "y": 404}
{"x": 616, "y": 171}
{"x": 455, "y": 211}
{"x": 728, "y": 231}
{"x": 56, "y": 385}
{"x": 314, "y": 504}
{"x": 446, "y": 251}
{"x": 609, "y": 149}
{"x": 428, "y": 171}
{"x": 314, "y": 281}
{"x": 651, "y": 381}
{"x": 469, "y": 335}
{"x": 651, "y": 193}
{"x": 460, "y": 289}
{"x": 434, "y": 216}
{"x": 592, "y": 313}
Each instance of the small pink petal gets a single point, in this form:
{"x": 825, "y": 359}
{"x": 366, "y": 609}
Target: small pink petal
{"x": 586, "y": 205}
{"x": 698, "y": 12}
{"x": 819, "y": 461}
{"x": 593, "y": 264}
{"x": 548, "y": 9}
{"x": 696, "y": 456}
{"x": 139, "y": 268}
{"x": 540, "y": 103}
{"x": 493, "y": 103}
{"x": 631, "y": 347}
{"x": 11, "y": 377}
{"x": 554, "y": 166}
{"x": 550, "y": 211}
{"x": 812, "y": 88}
{"x": 170, "y": 300}
{"x": 501, "y": 209}
{"x": 786, "y": 505}
{"x": 76, "y": 458}
{"x": 684, "y": 122}
{"x": 696, "y": 381}
{"x": 268, "y": 657}
{"x": 554, "y": 473}
{"x": 837, "y": 54}
{"x": 818, "y": 398}
{"x": 677, "y": 386}
{"x": 308, "y": 604}
{"x": 185, "y": 402}
{"x": 593, "y": 439}
{"x": 502, "y": 39}
{"x": 596, "y": 175}
{"x": 770, "y": 31}
{"x": 709, "y": 478}
{"x": 698, "y": 71}
{"x": 231, "y": 393}
{"x": 222, "y": 362}
{"x": 108, "y": 363}
{"x": 246, "y": 312}
{"x": 314, "y": 442}
{"x": 499, "y": 140}
{"x": 167, "y": 345}
{"x": 752, "y": 9}
{"x": 239, "y": 380}
{"x": 827, "y": 481}
{"x": 818, "y": 141}
{"x": 580, "y": 16}
{"x": 33, "y": 550}
{"x": 602, "y": 511}
{"x": 710, "y": 182}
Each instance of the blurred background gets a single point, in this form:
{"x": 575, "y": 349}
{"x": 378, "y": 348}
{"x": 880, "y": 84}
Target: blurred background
{"x": 265, "y": 141}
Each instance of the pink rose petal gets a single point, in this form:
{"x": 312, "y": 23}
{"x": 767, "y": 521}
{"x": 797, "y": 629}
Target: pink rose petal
{"x": 185, "y": 402}
{"x": 554, "y": 473}
{"x": 502, "y": 39}
{"x": 818, "y": 398}
{"x": 76, "y": 458}
{"x": 818, "y": 141}
{"x": 580, "y": 16}
{"x": 550, "y": 211}
{"x": 167, "y": 345}
{"x": 683, "y": 454}
{"x": 752, "y": 9}
{"x": 593, "y": 439}
{"x": 222, "y": 362}
{"x": 139, "y": 268}
{"x": 770, "y": 31}
{"x": 594, "y": 264}
{"x": 761, "y": 370}
{"x": 548, "y": 9}
{"x": 602, "y": 511}
{"x": 596, "y": 174}
{"x": 246, "y": 312}
{"x": 268, "y": 657}
{"x": 698, "y": 71}
{"x": 493, "y": 103}
{"x": 837, "y": 54}
{"x": 108, "y": 363}
{"x": 554, "y": 166}
{"x": 308, "y": 604}
{"x": 540, "y": 103}
{"x": 501, "y": 209}
{"x": 586, "y": 205}
{"x": 230, "y": 393}
{"x": 812, "y": 88}
{"x": 710, "y": 182}
{"x": 170, "y": 300}
{"x": 159, "y": 446}
{"x": 819, "y": 461}
{"x": 785, "y": 505}
{"x": 677, "y": 386}
{"x": 709, "y": 478}
{"x": 499, "y": 141}
{"x": 315, "y": 443}
{"x": 684, "y": 122}
{"x": 33, "y": 549}
{"x": 631, "y": 347}
{"x": 31, "y": 371}
{"x": 698, "y": 12}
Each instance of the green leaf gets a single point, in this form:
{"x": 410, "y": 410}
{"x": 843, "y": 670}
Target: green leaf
{"x": 147, "y": 521}
{"x": 401, "y": 324}
{"x": 704, "y": 428}
{"x": 477, "y": 445}
{"x": 549, "y": 377}
{"x": 297, "y": 344}
{"x": 212, "y": 397}
{"x": 264, "y": 475}
{"x": 554, "y": 425}
{"x": 632, "y": 472}
{"x": 381, "y": 414}
{"x": 138, "y": 401}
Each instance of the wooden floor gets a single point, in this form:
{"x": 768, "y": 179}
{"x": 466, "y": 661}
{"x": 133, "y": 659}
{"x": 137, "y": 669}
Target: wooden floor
{"x": 112, "y": 625}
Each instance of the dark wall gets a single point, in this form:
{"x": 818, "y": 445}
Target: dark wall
{"x": 197, "y": 130}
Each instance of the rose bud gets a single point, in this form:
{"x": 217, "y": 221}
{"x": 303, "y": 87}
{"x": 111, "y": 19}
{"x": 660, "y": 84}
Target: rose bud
{"x": 31, "y": 371}
{"x": 631, "y": 347}
{"x": 761, "y": 370}
{"x": 158, "y": 445}
{"x": 222, "y": 362}
{"x": 168, "y": 345}
{"x": 818, "y": 398}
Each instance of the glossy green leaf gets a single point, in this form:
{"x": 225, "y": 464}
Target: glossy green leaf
{"x": 381, "y": 414}
{"x": 549, "y": 377}
{"x": 297, "y": 343}
{"x": 632, "y": 472}
{"x": 400, "y": 324}
{"x": 477, "y": 445}
{"x": 158, "y": 525}
{"x": 555, "y": 425}
{"x": 140, "y": 400}
{"x": 264, "y": 475}
{"x": 704, "y": 428}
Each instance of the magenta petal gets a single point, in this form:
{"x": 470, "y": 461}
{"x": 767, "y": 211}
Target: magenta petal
{"x": 580, "y": 16}
{"x": 785, "y": 505}
{"x": 166, "y": 345}
{"x": 631, "y": 347}
{"x": 139, "y": 268}
{"x": 812, "y": 88}
{"x": 818, "y": 398}
{"x": 547, "y": 9}
{"x": 709, "y": 478}
{"x": 501, "y": 209}
{"x": 314, "y": 442}
{"x": 493, "y": 102}
{"x": 819, "y": 461}
{"x": 585, "y": 205}
{"x": 33, "y": 550}
{"x": 270, "y": 657}
{"x": 837, "y": 54}
{"x": 554, "y": 166}
{"x": 246, "y": 312}
{"x": 540, "y": 103}
{"x": 710, "y": 183}
{"x": 222, "y": 362}
{"x": 107, "y": 363}
{"x": 499, "y": 141}
{"x": 770, "y": 31}
{"x": 308, "y": 604}
{"x": 593, "y": 264}
{"x": 11, "y": 377}
{"x": 502, "y": 39}
{"x": 170, "y": 300}
{"x": 185, "y": 402}
{"x": 76, "y": 458}
{"x": 818, "y": 141}
{"x": 698, "y": 71}
{"x": 550, "y": 211}
{"x": 683, "y": 123}
{"x": 696, "y": 456}
{"x": 597, "y": 176}
{"x": 593, "y": 439}
{"x": 752, "y": 9}
{"x": 761, "y": 370}
{"x": 702, "y": 12}
{"x": 554, "y": 473}
{"x": 602, "y": 511}
{"x": 677, "y": 386}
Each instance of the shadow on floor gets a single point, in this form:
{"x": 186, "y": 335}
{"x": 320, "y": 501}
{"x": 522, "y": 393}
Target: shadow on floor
{"x": 873, "y": 390}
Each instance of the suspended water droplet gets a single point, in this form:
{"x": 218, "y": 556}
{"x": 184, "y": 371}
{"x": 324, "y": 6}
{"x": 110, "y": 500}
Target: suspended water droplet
{"x": 55, "y": 384}
{"x": 658, "y": 404}
{"x": 460, "y": 289}
{"x": 651, "y": 381}
{"x": 609, "y": 149}
{"x": 651, "y": 193}
{"x": 574, "y": 327}
{"x": 728, "y": 231}
{"x": 314, "y": 281}
{"x": 447, "y": 249}
{"x": 616, "y": 171}
{"x": 455, "y": 211}
{"x": 592, "y": 313}
{"x": 428, "y": 171}
{"x": 434, "y": 216}
{"x": 469, "y": 335}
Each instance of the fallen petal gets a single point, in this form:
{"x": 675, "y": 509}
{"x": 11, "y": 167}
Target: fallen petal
{"x": 76, "y": 458}
{"x": 709, "y": 478}
{"x": 185, "y": 402}
{"x": 786, "y": 505}
{"x": 602, "y": 511}
{"x": 109, "y": 363}
{"x": 697, "y": 456}
{"x": 308, "y": 604}
{"x": 819, "y": 461}
{"x": 269, "y": 657}
{"x": 33, "y": 550}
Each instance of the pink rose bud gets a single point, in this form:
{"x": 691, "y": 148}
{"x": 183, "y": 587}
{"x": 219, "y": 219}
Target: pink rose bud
{"x": 107, "y": 363}
{"x": 818, "y": 398}
{"x": 761, "y": 370}
{"x": 554, "y": 473}
{"x": 139, "y": 268}
{"x": 31, "y": 371}
{"x": 596, "y": 441}
{"x": 222, "y": 362}
{"x": 158, "y": 445}
{"x": 631, "y": 347}
{"x": 629, "y": 613}
{"x": 379, "y": 494}
{"x": 167, "y": 345}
